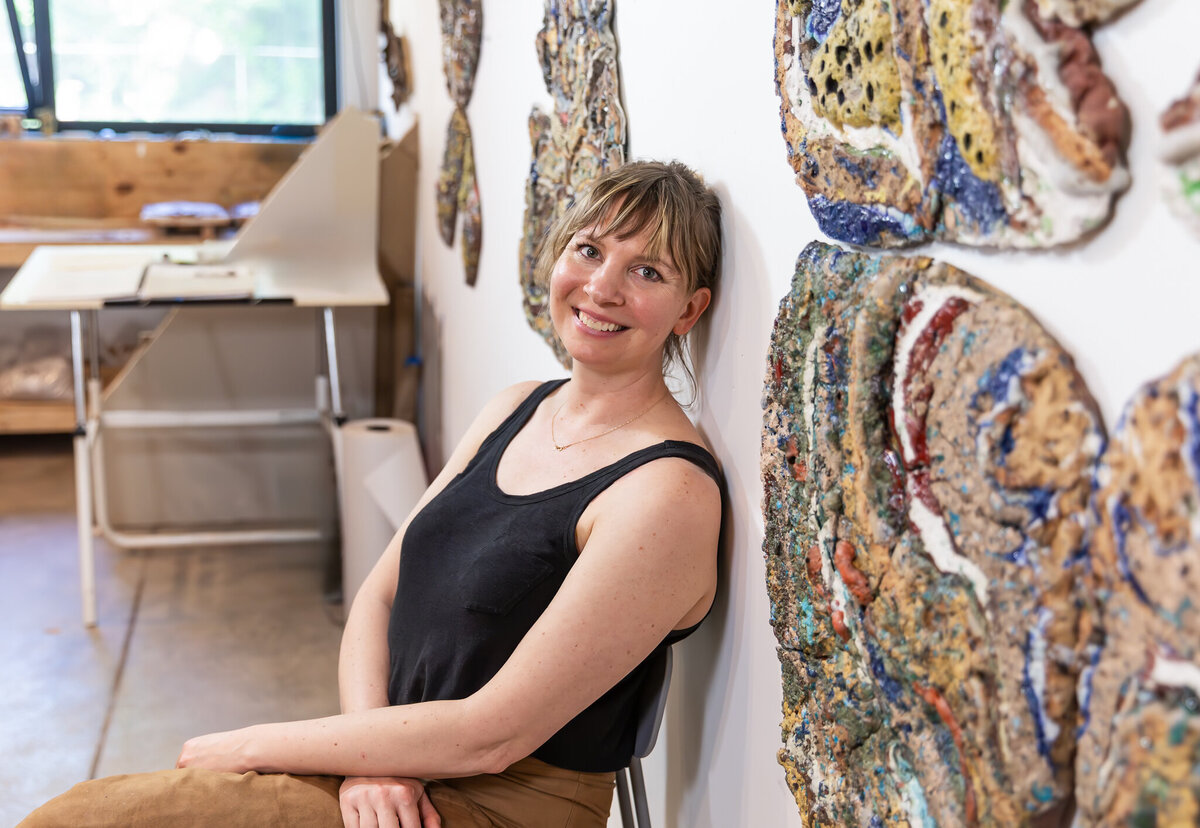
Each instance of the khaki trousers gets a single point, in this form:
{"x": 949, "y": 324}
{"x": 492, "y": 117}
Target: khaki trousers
{"x": 530, "y": 794}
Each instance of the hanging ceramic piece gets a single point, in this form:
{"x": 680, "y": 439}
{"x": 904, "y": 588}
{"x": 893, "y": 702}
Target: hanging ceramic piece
{"x": 583, "y": 137}
{"x": 1180, "y": 125}
{"x": 395, "y": 56}
{"x": 457, "y": 193}
{"x": 450, "y": 178}
{"x": 469, "y": 209}
{"x": 927, "y": 455}
{"x": 985, "y": 123}
{"x": 1139, "y": 752}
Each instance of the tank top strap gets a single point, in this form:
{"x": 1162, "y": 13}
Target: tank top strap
{"x": 503, "y": 434}
{"x": 696, "y": 454}
{"x": 692, "y": 452}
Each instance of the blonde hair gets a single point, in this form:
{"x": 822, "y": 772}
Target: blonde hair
{"x": 682, "y": 215}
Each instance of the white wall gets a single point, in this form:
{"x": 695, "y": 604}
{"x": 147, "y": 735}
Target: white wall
{"x": 698, "y": 86}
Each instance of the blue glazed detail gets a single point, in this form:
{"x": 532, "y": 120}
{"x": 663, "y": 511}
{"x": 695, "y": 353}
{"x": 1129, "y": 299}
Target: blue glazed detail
{"x": 1035, "y": 702}
{"x": 1007, "y": 444}
{"x": 1084, "y": 694}
{"x": 821, "y": 18}
{"x": 891, "y": 688}
{"x": 998, "y": 382}
{"x": 865, "y": 175}
{"x": 1121, "y": 520}
{"x": 860, "y": 224}
{"x": 1191, "y": 411}
{"x": 979, "y": 200}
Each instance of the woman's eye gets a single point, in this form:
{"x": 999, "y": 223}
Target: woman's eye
{"x": 588, "y": 251}
{"x": 649, "y": 273}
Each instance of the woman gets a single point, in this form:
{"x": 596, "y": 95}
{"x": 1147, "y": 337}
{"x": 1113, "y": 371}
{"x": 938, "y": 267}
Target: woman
{"x": 500, "y": 644}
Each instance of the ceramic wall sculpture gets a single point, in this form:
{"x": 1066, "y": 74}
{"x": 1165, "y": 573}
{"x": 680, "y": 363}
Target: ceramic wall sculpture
{"x": 457, "y": 190}
{"x": 395, "y": 56}
{"x": 985, "y": 123}
{"x": 1139, "y": 752}
{"x": 927, "y": 455}
{"x": 583, "y": 137}
{"x": 1181, "y": 156}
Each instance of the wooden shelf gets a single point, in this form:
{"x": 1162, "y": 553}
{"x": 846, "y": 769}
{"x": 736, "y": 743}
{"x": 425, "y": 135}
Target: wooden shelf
{"x": 40, "y": 417}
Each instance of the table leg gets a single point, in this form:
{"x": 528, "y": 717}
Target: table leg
{"x": 335, "y": 384}
{"x": 83, "y": 479}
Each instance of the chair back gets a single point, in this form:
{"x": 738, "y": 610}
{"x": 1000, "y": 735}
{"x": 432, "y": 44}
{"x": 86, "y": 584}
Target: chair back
{"x": 635, "y": 812}
{"x": 653, "y": 704}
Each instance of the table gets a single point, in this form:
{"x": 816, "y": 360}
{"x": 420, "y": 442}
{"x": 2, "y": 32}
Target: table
{"x": 313, "y": 244}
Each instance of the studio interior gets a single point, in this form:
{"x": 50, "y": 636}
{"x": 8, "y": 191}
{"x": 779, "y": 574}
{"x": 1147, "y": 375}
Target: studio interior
{"x": 262, "y": 265}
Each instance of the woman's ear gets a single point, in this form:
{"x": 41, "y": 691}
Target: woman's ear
{"x": 692, "y": 311}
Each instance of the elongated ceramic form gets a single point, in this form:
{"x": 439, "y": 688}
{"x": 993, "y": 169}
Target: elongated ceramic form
{"x": 982, "y": 122}
{"x": 1139, "y": 748}
{"x": 1180, "y": 125}
{"x": 457, "y": 190}
{"x": 582, "y": 138}
{"x": 927, "y": 454}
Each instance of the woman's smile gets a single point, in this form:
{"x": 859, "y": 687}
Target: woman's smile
{"x": 596, "y": 323}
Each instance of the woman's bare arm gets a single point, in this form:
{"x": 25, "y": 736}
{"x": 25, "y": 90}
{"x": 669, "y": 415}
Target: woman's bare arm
{"x": 649, "y": 563}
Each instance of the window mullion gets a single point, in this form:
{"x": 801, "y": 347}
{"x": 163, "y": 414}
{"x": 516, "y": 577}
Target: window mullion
{"x": 41, "y": 37}
{"x": 22, "y": 60}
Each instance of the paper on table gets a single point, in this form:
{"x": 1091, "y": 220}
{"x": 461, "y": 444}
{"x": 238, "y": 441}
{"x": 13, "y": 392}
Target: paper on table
{"x": 86, "y": 276}
{"x": 170, "y": 280}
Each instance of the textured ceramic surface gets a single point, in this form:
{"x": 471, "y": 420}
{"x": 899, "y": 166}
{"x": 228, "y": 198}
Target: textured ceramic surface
{"x": 457, "y": 189}
{"x": 1139, "y": 752}
{"x": 975, "y": 121}
{"x": 582, "y": 138}
{"x": 927, "y": 455}
{"x": 1180, "y": 125}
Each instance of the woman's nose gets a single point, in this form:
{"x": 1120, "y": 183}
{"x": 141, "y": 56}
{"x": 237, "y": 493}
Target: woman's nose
{"x": 604, "y": 285}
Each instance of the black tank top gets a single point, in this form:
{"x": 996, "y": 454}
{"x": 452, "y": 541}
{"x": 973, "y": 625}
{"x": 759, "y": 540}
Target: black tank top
{"x": 479, "y": 566}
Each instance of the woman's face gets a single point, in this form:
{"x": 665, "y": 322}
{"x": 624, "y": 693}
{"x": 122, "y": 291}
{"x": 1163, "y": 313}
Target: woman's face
{"x": 613, "y": 304}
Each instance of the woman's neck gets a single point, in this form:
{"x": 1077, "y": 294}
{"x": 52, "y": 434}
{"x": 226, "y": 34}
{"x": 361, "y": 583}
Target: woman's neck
{"x": 599, "y": 397}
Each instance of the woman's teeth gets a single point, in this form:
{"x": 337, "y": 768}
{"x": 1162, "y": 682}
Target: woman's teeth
{"x": 596, "y": 324}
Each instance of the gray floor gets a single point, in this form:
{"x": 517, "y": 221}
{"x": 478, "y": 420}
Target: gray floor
{"x": 188, "y": 641}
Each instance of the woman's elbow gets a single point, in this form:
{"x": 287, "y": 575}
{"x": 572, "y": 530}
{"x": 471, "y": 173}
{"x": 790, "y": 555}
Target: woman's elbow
{"x": 499, "y": 758}
{"x": 500, "y": 744}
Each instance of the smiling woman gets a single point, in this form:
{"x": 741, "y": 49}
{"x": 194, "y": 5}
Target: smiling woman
{"x": 494, "y": 662}
{"x": 631, "y": 224}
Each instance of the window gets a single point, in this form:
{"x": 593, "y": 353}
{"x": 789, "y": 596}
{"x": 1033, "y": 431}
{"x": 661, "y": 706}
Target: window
{"x": 254, "y": 66}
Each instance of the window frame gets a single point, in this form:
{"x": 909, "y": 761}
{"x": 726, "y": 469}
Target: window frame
{"x": 18, "y": 42}
{"x": 40, "y": 95}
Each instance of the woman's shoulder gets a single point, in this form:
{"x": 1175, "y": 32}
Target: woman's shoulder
{"x": 680, "y": 475}
{"x": 495, "y": 411}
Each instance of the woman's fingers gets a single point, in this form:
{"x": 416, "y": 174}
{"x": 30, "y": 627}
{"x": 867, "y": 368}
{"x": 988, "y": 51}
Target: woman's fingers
{"x": 387, "y": 803}
{"x": 386, "y": 817}
{"x": 430, "y": 818}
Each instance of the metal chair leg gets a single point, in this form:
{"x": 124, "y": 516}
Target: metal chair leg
{"x": 623, "y": 799}
{"x": 639, "y": 793}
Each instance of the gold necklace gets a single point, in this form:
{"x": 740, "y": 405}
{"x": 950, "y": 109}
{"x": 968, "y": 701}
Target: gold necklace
{"x": 564, "y": 446}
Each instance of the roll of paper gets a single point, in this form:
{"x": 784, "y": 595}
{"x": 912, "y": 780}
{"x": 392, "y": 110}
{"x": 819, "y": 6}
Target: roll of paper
{"x": 383, "y": 477}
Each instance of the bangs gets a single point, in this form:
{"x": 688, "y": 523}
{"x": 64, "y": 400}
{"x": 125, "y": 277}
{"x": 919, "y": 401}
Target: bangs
{"x": 647, "y": 209}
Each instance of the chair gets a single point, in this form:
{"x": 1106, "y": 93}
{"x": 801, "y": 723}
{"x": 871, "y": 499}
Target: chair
{"x": 653, "y": 703}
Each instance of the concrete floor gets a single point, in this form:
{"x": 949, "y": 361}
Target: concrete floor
{"x": 188, "y": 641}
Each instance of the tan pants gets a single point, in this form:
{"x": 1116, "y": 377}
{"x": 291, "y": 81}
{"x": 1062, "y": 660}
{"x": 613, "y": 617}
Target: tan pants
{"x": 530, "y": 794}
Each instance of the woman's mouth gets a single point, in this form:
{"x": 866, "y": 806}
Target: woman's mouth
{"x": 592, "y": 323}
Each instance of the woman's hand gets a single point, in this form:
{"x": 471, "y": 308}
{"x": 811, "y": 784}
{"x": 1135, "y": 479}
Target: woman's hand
{"x": 226, "y": 751}
{"x": 386, "y": 802}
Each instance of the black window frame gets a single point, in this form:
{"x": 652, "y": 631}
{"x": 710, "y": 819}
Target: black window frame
{"x": 40, "y": 95}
